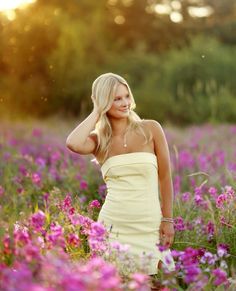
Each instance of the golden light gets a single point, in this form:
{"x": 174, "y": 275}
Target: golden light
{"x": 162, "y": 9}
{"x": 176, "y": 17}
{"x": 8, "y": 7}
{"x": 119, "y": 19}
{"x": 200, "y": 11}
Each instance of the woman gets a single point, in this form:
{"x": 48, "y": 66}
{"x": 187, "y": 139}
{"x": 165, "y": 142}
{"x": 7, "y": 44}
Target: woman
{"x": 134, "y": 159}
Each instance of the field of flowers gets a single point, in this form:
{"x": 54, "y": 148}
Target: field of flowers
{"x": 50, "y": 199}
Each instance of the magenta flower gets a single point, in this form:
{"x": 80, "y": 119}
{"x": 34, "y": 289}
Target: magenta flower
{"x": 191, "y": 273}
{"x": 37, "y": 132}
{"x": 119, "y": 247}
{"x": 102, "y": 191}
{"x": 213, "y": 192}
{"x": 66, "y": 203}
{"x": 97, "y": 229}
{"x": 97, "y": 237}
{"x": 186, "y": 160}
{"x": 222, "y": 250}
{"x": 210, "y": 229}
{"x": 40, "y": 162}
{"x": 37, "y": 220}
{"x": 179, "y": 223}
{"x": 139, "y": 282}
{"x": 189, "y": 256}
{"x": 208, "y": 258}
{"x": 177, "y": 184}
{"x": 75, "y": 218}
{"x": 55, "y": 237}
{"x": 220, "y": 200}
{"x": 186, "y": 196}
{"x": 36, "y": 179}
{"x": 1, "y": 190}
{"x": 94, "y": 204}
{"x": 85, "y": 223}
{"x": 83, "y": 185}
{"x": 220, "y": 276}
{"x": 73, "y": 239}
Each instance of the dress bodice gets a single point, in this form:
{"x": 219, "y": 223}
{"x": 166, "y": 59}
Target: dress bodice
{"x": 131, "y": 171}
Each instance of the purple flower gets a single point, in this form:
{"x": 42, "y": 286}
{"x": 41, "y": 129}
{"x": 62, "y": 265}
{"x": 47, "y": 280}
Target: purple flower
{"x": 210, "y": 229}
{"x": 55, "y": 237}
{"x": 1, "y": 190}
{"x": 189, "y": 256}
{"x": 97, "y": 229}
{"x": 179, "y": 223}
{"x": 186, "y": 196}
{"x": 119, "y": 247}
{"x": 208, "y": 258}
{"x": 139, "y": 282}
{"x": 75, "y": 219}
{"x": 37, "y": 220}
{"x": 102, "y": 191}
{"x": 97, "y": 237}
{"x": 21, "y": 235}
{"x": 220, "y": 200}
{"x": 177, "y": 184}
{"x": 40, "y": 162}
{"x": 220, "y": 276}
{"x": 186, "y": 159}
{"x": 94, "y": 204}
{"x": 222, "y": 250}
{"x": 161, "y": 247}
{"x": 36, "y": 179}
{"x": 83, "y": 185}
{"x": 213, "y": 192}
{"x": 66, "y": 203}
{"x": 73, "y": 239}
{"x": 191, "y": 273}
{"x": 37, "y": 132}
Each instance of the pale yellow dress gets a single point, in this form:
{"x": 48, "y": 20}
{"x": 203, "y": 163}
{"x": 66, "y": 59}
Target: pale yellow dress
{"x": 131, "y": 211}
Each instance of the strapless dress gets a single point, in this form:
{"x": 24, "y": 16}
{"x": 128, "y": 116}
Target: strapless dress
{"x": 131, "y": 212}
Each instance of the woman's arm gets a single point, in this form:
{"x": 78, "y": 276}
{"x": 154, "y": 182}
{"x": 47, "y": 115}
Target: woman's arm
{"x": 80, "y": 140}
{"x": 164, "y": 168}
{"x": 165, "y": 181}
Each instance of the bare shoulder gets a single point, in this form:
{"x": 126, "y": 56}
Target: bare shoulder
{"x": 153, "y": 125}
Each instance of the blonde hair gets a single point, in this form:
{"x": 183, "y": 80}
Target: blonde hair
{"x": 103, "y": 92}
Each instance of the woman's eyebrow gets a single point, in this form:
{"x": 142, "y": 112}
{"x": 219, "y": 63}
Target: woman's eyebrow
{"x": 121, "y": 96}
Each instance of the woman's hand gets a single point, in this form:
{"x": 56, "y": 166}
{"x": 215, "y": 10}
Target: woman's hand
{"x": 166, "y": 233}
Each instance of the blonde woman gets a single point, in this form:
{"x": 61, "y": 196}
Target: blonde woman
{"x": 135, "y": 163}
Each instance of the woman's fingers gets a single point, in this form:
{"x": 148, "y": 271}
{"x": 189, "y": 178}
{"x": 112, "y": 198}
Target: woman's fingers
{"x": 167, "y": 239}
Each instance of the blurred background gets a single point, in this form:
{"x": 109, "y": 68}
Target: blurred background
{"x": 179, "y": 57}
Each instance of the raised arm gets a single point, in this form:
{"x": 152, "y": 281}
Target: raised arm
{"x": 80, "y": 140}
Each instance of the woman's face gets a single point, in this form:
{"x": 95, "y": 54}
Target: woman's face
{"x": 121, "y": 103}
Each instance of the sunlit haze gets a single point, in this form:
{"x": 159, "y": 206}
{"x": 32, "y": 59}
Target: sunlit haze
{"x": 8, "y": 7}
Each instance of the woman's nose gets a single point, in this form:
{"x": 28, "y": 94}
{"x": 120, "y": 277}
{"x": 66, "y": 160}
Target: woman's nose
{"x": 125, "y": 102}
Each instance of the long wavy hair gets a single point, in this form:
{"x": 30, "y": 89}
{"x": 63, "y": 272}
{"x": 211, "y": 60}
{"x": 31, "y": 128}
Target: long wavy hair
{"x": 103, "y": 92}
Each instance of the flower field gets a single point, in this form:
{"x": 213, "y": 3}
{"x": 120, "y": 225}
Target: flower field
{"x": 50, "y": 199}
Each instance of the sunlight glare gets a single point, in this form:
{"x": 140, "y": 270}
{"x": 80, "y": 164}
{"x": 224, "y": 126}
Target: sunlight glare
{"x": 14, "y": 4}
{"x": 162, "y": 9}
{"x": 200, "y": 11}
{"x": 176, "y": 17}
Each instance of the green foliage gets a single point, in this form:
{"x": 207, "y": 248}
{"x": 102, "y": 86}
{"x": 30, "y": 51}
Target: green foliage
{"x": 49, "y": 61}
